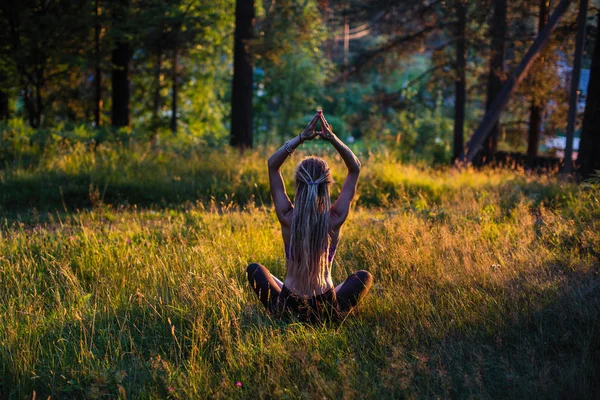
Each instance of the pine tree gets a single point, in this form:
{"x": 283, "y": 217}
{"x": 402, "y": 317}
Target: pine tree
{"x": 241, "y": 97}
{"x": 121, "y": 59}
{"x": 461, "y": 77}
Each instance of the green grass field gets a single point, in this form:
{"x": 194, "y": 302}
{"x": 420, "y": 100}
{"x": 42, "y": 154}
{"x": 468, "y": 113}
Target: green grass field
{"x": 122, "y": 275}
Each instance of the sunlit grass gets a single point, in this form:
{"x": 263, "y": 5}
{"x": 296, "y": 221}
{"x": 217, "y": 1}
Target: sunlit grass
{"x": 486, "y": 285}
{"x": 75, "y": 177}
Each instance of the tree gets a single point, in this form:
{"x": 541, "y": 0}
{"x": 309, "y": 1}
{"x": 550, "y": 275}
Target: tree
{"x": 461, "y": 77}
{"x": 574, "y": 94}
{"x": 98, "y": 72}
{"x": 589, "y": 145}
{"x": 121, "y": 58}
{"x": 492, "y": 115}
{"x": 496, "y": 72}
{"x": 241, "y": 99}
{"x": 536, "y": 109}
{"x": 3, "y": 97}
{"x": 290, "y": 67}
{"x": 43, "y": 41}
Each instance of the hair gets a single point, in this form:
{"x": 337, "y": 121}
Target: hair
{"x": 309, "y": 239}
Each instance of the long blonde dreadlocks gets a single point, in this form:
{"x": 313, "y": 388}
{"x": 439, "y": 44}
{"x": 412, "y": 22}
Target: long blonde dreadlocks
{"x": 309, "y": 240}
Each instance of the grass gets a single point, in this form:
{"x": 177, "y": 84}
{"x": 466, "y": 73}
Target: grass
{"x": 127, "y": 280}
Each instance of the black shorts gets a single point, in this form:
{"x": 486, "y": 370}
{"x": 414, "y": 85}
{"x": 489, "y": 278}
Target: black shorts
{"x": 328, "y": 306}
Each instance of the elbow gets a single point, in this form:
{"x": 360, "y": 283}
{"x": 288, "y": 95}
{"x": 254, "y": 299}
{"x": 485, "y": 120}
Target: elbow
{"x": 271, "y": 164}
{"x": 356, "y": 168}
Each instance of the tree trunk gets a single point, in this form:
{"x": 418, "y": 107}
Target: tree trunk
{"x": 121, "y": 57}
{"x": 241, "y": 102}
{"x": 29, "y": 106}
{"x": 493, "y": 114}
{"x": 574, "y": 95}
{"x": 3, "y": 105}
{"x": 98, "y": 102}
{"x": 39, "y": 104}
{"x": 460, "y": 82}
{"x": 589, "y": 146}
{"x": 157, "y": 86}
{"x": 3, "y": 99}
{"x": 533, "y": 136}
{"x": 536, "y": 109}
{"x": 174, "y": 77}
{"x": 496, "y": 74}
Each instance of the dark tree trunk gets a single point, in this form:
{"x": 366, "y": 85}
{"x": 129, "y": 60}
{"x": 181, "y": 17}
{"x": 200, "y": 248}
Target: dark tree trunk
{"x": 174, "y": 77}
{"x": 496, "y": 74}
{"x": 460, "y": 83}
{"x": 536, "y": 109}
{"x": 3, "y": 105}
{"x": 3, "y": 99}
{"x": 121, "y": 57}
{"x": 29, "y": 106}
{"x": 533, "y": 136}
{"x": 157, "y": 86}
{"x": 98, "y": 100}
{"x": 493, "y": 114}
{"x": 39, "y": 111}
{"x": 574, "y": 95}
{"x": 534, "y": 132}
{"x": 241, "y": 102}
{"x": 589, "y": 146}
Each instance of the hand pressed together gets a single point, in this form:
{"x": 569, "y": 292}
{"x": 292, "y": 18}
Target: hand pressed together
{"x": 310, "y": 131}
{"x": 327, "y": 132}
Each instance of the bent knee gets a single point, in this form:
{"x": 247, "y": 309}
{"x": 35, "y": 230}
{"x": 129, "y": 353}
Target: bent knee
{"x": 252, "y": 268}
{"x": 365, "y": 277}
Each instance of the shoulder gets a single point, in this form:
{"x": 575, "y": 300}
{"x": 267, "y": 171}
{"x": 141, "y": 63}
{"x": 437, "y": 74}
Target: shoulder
{"x": 336, "y": 219}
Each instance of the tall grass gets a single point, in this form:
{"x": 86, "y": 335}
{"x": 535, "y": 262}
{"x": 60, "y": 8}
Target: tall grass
{"x": 486, "y": 283}
{"x": 79, "y": 176}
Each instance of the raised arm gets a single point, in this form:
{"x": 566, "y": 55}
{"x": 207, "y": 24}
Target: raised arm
{"x": 341, "y": 208}
{"x": 283, "y": 205}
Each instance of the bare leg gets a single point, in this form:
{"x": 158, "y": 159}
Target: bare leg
{"x": 263, "y": 284}
{"x": 353, "y": 289}
{"x": 277, "y": 281}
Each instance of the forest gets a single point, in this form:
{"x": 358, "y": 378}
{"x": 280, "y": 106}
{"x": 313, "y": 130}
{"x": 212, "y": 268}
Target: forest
{"x": 134, "y": 191}
{"x": 416, "y": 76}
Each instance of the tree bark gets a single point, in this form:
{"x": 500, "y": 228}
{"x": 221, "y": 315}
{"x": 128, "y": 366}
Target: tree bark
{"x": 496, "y": 73}
{"x": 39, "y": 111}
{"x": 157, "y": 86}
{"x": 3, "y": 105}
{"x": 575, "y": 76}
{"x": 589, "y": 145}
{"x": 174, "y": 77}
{"x": 241, "y": 102}
{"x": 98, "y": 100}
{"x": 3, "y": 99}
{"x": 493, "y": 114}
{"x": 536, "y": 109}
{"x": 29, "y": 106}
{"x": 460, "y": 82}
{"x": 121, "y": 56}
{"x": 533, "y": 134}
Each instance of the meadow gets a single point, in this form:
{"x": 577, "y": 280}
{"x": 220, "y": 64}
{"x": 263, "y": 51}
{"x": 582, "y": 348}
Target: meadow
{"x": 122, "y": 276}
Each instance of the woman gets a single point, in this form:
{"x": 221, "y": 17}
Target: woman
{"x": 311, "y": 231}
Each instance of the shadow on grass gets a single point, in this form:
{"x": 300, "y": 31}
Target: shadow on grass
{"x": 541, "y": 345}
{"x": 67, "y": 193}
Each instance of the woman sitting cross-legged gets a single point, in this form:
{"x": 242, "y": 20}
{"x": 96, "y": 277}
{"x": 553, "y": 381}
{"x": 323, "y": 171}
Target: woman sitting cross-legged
{"x": 311, "y": 230}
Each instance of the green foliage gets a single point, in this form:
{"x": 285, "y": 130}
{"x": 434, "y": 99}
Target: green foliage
{"x": 291, "y": 67}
